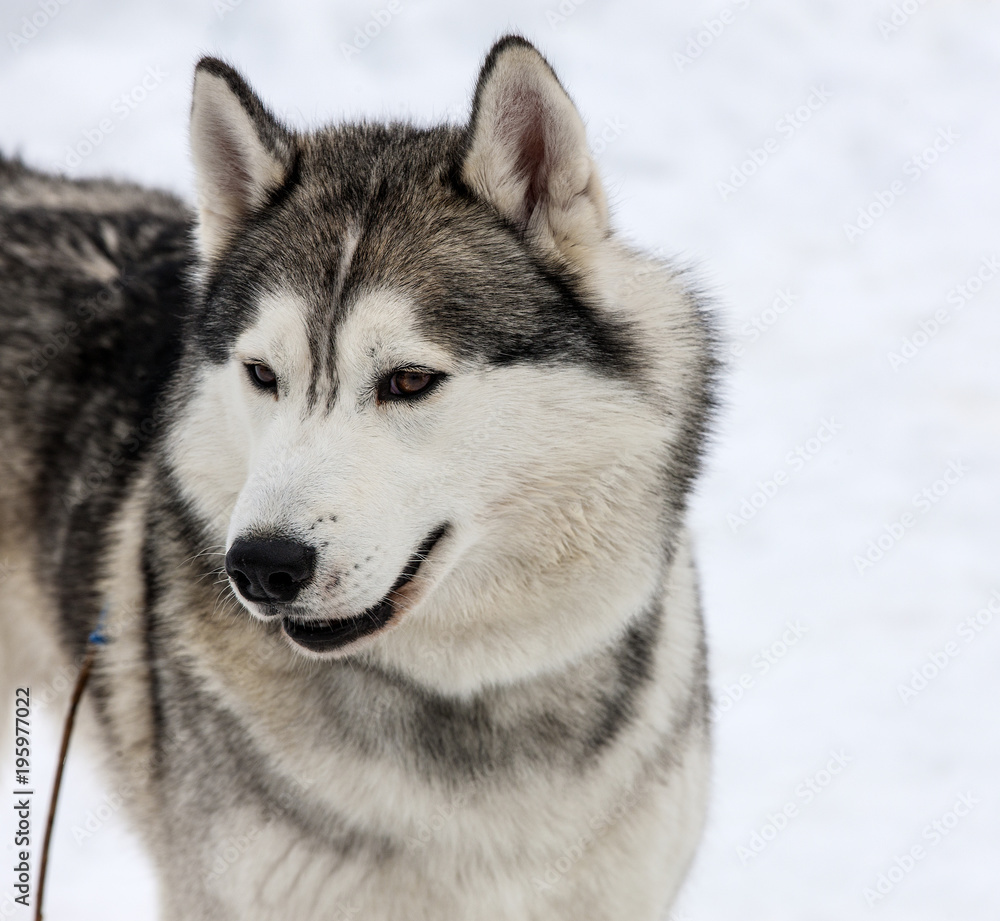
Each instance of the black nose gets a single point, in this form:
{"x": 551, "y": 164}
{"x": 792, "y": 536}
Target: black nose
{"x": 270, "y": 570}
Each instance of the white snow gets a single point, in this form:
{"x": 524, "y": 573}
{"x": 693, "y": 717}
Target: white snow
{"x": 670, "y": 132}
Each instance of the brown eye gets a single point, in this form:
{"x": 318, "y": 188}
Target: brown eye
{"x": 407, "y": 383}
{"x": 402, "y": 385}
{"x": 262, "y": 376}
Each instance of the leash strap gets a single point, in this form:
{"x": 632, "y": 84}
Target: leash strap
{"x": 96, "y": 639}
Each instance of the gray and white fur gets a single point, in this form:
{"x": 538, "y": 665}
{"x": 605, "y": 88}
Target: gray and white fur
{"x": 379, "y": 463}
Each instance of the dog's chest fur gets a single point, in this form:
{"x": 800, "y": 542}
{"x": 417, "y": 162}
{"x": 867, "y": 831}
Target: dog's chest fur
{"x": 277, "y": 791}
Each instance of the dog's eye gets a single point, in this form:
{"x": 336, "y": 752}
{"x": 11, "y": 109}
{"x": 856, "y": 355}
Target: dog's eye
{"x": 407, "y": 384}
{"x": 262, "y": 376}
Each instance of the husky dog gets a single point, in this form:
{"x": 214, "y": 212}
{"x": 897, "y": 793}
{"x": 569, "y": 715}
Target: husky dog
{"x": 378, "y": 464}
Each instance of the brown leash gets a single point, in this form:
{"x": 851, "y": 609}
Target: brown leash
{"x": 95, "y": 640}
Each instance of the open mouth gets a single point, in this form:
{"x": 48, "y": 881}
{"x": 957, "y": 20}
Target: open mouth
{"x": 327, "y": 635}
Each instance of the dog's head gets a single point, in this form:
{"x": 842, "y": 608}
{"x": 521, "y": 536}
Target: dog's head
{"x": 420, "y": 411}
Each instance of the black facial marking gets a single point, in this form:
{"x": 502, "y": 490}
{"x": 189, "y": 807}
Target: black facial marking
{"x": 479, "y": 288}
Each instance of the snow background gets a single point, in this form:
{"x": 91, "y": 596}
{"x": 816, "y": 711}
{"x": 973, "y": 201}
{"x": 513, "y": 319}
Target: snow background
{"x": 672, "y": 132}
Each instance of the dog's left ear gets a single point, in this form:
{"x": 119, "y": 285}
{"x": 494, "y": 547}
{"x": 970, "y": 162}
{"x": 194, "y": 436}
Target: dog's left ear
{"x": 241, "y": 153}
{"x": 527, "y": 152}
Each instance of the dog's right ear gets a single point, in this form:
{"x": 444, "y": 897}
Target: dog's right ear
{"x": 241, "y": 153}
{"x": 528, "y": 156}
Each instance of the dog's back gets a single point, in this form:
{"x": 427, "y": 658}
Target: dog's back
{"x": 91, "y": 294}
